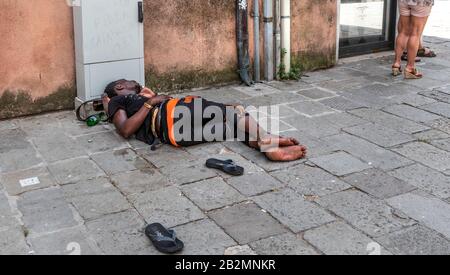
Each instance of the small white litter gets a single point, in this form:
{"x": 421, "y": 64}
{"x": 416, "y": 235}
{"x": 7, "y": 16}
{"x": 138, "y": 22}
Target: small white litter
{"x": 29, "y": 182}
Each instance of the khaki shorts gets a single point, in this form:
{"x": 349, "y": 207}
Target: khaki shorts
{"x": 417, "y": 11}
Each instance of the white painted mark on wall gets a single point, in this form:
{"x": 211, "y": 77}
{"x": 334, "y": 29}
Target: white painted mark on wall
{"x": 73, "y": 3}
{"x": 29, "y": 182}
{"x": 242, "y": 4}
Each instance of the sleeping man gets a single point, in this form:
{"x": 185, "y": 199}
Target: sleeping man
{"x": 188, "y": 121}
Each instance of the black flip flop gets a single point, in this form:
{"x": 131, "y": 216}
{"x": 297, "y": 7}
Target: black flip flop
{"x": 227, "y": 166}
{"x": 165, "y": 240}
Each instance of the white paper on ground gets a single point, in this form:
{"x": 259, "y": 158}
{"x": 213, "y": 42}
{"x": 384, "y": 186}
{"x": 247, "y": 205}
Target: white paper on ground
{"x": 29, "y": 182}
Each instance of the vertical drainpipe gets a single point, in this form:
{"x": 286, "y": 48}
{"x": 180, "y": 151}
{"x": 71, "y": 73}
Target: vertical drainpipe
{"x": 277, "y": 37}
{"x": 268, "y": 40}
{"x": 286, "y": 32}
{"x": 256, "y": 37}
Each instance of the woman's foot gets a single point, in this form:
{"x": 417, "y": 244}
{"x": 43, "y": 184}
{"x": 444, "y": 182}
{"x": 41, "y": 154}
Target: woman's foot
{"x": 285, "y": 154}
{"x": 412, "y": 73}
{"x": 396, "y": 69}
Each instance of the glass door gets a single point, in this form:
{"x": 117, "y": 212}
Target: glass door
{"x": 366, "y": 26}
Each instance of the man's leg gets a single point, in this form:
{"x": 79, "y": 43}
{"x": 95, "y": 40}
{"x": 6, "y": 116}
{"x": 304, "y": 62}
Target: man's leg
{"x": 275, "y": 148}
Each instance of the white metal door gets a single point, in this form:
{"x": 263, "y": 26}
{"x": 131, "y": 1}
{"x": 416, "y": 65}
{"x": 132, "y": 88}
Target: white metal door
{"x": 111, "y": 31}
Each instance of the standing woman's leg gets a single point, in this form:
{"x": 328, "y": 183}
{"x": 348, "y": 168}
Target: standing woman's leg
{"x": 402, "y": 39}
{"x": 416, "y": 28}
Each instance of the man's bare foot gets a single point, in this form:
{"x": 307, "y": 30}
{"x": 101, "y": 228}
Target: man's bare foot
{"x": 288, "y": 153}
{"x": 278, "y": 141}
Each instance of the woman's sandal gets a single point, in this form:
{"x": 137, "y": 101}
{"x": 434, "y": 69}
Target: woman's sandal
{"x": 396, "y": 71}
{"x": 413, "y": 75}
{"x": 423, "y": 53}
{"x": 405, "y": 58}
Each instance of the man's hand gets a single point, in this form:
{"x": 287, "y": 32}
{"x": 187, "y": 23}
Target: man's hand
{"x": 105, "y": 100}
{"x": 158, "y": 99}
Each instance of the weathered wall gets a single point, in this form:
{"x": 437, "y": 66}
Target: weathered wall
{"x": 188, "y": 43}
{"x": 37, "y": 56}
{"x": 314, "y": 33}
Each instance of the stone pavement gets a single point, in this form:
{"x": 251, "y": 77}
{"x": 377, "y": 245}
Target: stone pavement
{"x": 377, "y": 179}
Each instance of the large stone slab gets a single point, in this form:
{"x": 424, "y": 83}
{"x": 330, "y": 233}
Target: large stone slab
{"x": 187, "y": 174}
{"x": 285, "y": 244}
{"x": 431, "y": 135}
{"x": 368, "y": 99}
{"x": 72, "y": 241}
{"x": 439, "y": 108}
{"x": 443, "y": 144}
{"x": 203, "y": 238}
{"x": 342, "y": 120}
{"x": 118, "y": 161}
{"x": 121, "y": 234}
{"x": 246, "y": 223}
{"x": 139, "y": 181}
{"x": 374, "y": 155}
{"x": 101, "y": 142}
{"x": 74, "y": 170}
{"x": 414, "y": 100}
{"x": 212, "y": 194}
{"x": 311, "y": 108}
{"x": 167, "y": 206}
{"x": 411, "y": 113}
{"x": 426, "y": 209}
{"x": 391, "y": 121}
{"x": 379, "y": 134}
{"x": 12, "y": 242}
{"x": 343, "y": 104}
{"x": 372, "y": 216}
{"x": 290, "y": 86}
{"x": 441, "y": 124}
{"x": 167, "y": 155}
{"x": 310, "y": 181}
{"x": 379, "y": 184}
{"x": 315, "y": 127}
{"x": 57, "y": 146}
{"x": 426, "y": 154}
{"x": 255, "y": 184}
{"x": 417, "y": 240}
{"x": 293, "y": 210}
{"x": 95, "y": 198}
{"x": 46, "y": 210}
{"x": 437, "y": 95}
{"x": 339, "y": 238}
{"x": 340, "y": 164}
{"x": 16, "y": 152}
{"x": 12, "y": 181}
{"x": 316, "y": 93}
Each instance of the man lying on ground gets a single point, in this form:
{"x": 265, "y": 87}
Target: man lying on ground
{"x": 139, "y": 111}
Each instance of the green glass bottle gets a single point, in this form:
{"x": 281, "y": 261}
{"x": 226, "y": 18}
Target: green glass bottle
{"x": 93, "y": 120}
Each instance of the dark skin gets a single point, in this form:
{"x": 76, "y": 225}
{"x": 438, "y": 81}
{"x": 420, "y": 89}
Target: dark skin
{"x": 275, "y": 148}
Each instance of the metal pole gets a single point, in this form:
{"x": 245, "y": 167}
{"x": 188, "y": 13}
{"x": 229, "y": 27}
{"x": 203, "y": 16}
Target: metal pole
{"x": 268, "y": 40}
{"x": 277, "y": 38}
{"x": 286, "y": 32}
{"x": 256, "y": 37}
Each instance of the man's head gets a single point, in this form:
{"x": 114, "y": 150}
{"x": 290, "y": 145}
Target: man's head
{"x": 122, "y": 87}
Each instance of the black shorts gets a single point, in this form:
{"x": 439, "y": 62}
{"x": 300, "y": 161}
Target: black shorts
{"x": 203, "y": 120}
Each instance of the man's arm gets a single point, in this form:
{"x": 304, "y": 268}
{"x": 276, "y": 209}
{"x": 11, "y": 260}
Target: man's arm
{"x": 125, "y": 126}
